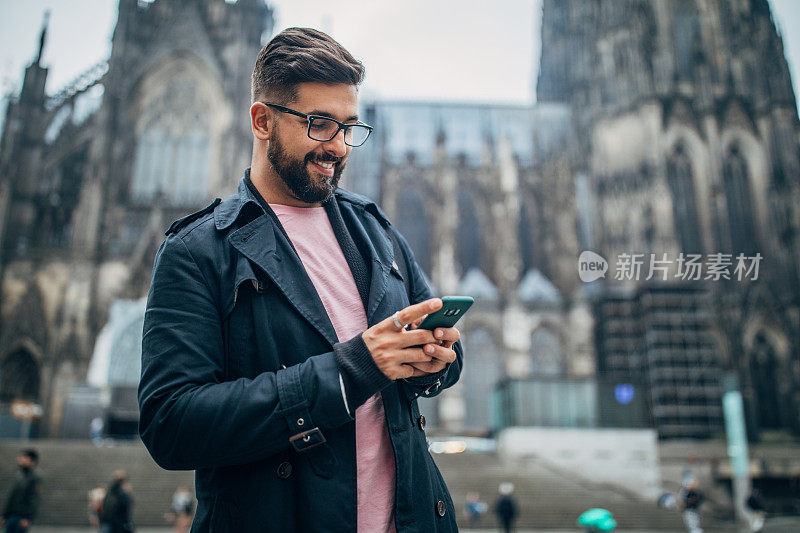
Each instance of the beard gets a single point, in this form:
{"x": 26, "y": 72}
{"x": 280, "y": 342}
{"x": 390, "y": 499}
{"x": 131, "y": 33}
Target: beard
{"x": 294, "y": 173}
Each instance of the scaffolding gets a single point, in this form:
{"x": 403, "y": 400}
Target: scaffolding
{"x": 662, "y": 335}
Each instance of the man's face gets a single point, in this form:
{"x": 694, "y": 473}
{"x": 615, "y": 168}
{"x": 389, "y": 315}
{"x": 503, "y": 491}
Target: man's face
{"x": 24, "y": 461}
{"x": 311, "y": 169}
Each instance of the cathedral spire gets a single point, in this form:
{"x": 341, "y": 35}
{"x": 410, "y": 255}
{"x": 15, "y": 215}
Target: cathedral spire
{"x": 43, "y": 36}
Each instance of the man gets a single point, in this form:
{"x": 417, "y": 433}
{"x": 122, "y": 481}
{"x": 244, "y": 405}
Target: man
{"x": 115, "y": 515}
{"x": 757, "y": 511}
{"x": 182, "y": 510}
{"x": 279, "y": 356}
{"x": 689, "y": 501}
{"x": 505, "y": 507}
{"x": 23, "y": 499}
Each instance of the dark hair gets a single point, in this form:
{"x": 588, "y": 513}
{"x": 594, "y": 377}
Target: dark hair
{"x": 299, "y": 55}
{"x": 31, "y": 454}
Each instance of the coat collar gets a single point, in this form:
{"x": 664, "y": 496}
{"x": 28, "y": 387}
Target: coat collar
{"x": 231, "y": 208}
{"x": 259, "y": 239}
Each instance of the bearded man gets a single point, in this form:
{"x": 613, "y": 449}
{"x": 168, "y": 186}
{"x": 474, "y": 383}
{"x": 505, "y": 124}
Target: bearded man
{"x": 280, "y": 358}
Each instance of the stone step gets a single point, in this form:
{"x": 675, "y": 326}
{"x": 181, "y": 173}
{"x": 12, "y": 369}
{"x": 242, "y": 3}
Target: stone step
{"x": 546, "y": 498}
{"x": 69, "y": 469}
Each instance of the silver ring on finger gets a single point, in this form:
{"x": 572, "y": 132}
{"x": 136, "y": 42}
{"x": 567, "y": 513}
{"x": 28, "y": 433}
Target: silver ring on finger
{"x": 396, "y": 319}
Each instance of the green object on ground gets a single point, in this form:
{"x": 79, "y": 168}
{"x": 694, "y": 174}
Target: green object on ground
{"x": 600, "y": 519}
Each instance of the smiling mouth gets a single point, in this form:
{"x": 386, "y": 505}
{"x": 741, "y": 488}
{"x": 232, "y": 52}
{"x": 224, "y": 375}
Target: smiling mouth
{"x": 325, "y": 167}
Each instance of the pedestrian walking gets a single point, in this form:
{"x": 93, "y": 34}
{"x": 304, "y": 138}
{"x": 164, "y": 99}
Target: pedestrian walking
{"x": 94, "y": 505}
{"x": 689, "y": 502}
{"x": 758, "y": 512}
{"x": 115, "y": 516}
{"x": 506, "y": 507}
{"x": 474, "y": 509}
{"x": 182, "y": 510}
{"x": 23, "y": 500}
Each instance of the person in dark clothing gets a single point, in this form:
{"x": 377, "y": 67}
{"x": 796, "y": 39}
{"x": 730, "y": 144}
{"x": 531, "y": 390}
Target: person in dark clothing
{"x": 505, "y": 508}
{"x": 758, "y": 512}
{"x": 689, "y": 502}
{"x": 281, "y": 358}
{"x": 23, "y": 499}
{"x": 115, "y": 516}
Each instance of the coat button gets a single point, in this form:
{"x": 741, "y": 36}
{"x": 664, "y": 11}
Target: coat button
{"x": 421, "y": 421}
{"x": 440, "y": 508}
{"x": 284, "y": 470}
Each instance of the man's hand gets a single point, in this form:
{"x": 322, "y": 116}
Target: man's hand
{"x": 396, "y": 350}
{"x": 24, "y": 523}
{"x": 442, "y": 351}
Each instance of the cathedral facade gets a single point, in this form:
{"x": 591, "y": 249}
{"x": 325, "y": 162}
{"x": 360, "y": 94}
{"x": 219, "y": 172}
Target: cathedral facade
{"x": 687, "y": 131}
{"x": 660, "y": 128}
{"x": 90, "y": 179}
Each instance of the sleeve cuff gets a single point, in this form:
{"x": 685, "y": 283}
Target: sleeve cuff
{"x": 427, "y": 381}
{"x": 361, "y": 376}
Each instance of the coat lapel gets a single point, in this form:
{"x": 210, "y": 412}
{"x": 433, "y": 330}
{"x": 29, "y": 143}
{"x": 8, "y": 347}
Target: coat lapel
{"x": 381, "y": 255}
{"x": 269, "y": 249}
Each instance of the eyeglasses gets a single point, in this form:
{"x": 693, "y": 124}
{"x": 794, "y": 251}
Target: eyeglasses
{"x": 323, "y": 129}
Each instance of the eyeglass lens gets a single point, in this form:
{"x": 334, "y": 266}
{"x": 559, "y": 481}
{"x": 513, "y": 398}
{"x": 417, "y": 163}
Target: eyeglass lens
{"x": 323, "y": 129}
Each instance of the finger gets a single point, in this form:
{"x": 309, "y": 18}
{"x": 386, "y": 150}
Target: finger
{"x": 414, "y": 312}
{"x": 416, "y": 323}
{"x": 417, "y": 337}
{"x": 413, "y": 355}
{"x": 450, "y": 335}
{"x": 409, "y": 371}
{"x": 429, "y": 368}
{"x": 439, "y": 352}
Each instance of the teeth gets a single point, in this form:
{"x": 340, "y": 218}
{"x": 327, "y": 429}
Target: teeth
{"x": 325, "y": 164}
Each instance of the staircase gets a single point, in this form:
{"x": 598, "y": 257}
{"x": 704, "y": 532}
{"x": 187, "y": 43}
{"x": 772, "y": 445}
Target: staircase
{"x": 546, "y": 497}
{"x": 69, "y": 469}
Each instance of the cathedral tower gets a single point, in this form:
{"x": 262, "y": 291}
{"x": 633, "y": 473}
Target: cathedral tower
{"x": 93, "y": 174}
{"x": 689, "y": 132}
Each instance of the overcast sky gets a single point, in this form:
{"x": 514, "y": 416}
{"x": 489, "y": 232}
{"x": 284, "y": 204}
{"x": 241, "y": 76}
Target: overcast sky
{"x": 416, "y": 49}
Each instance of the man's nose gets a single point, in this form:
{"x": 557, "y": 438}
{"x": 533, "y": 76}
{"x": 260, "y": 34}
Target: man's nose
{"x": 336, "y": 146}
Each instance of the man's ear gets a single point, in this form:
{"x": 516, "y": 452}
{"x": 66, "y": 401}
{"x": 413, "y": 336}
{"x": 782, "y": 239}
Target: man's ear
{"x": 260, "y": 121}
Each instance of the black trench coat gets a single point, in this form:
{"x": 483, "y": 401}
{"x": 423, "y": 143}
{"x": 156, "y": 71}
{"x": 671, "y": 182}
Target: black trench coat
{"x": 238, "y": 358}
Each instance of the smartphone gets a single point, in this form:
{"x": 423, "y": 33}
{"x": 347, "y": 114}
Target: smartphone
{"x": 453, "y": 308}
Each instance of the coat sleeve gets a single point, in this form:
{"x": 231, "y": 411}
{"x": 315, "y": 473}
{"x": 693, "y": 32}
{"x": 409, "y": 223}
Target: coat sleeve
{"x": 433, "y": 384}
{"x": 190, "y": 416}
{"x": 32, "y": 492}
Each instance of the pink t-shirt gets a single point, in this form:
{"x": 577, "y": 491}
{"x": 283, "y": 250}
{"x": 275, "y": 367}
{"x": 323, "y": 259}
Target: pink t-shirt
{"x": 313, "y": 238}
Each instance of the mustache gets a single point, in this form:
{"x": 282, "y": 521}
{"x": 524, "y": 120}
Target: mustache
{"x": 323, "y": 158}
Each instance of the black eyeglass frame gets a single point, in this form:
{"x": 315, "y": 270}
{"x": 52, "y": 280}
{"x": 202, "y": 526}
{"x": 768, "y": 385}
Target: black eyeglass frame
{"x": 310, "y": 119}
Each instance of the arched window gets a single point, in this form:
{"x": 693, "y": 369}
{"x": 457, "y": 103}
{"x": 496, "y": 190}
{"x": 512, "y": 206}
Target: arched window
{"x": 738, "y": 193}
{"x": 117, "y": 356}
{"x": 764, "y": 375}
{"x": 19, "y": 377}
{"x": 173, "y": 150}
{"x": 479, "y": 376}
{"x": 684, "y": 205}
{"x": 413, "y": 222}
{"x": 686, "y": 38}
